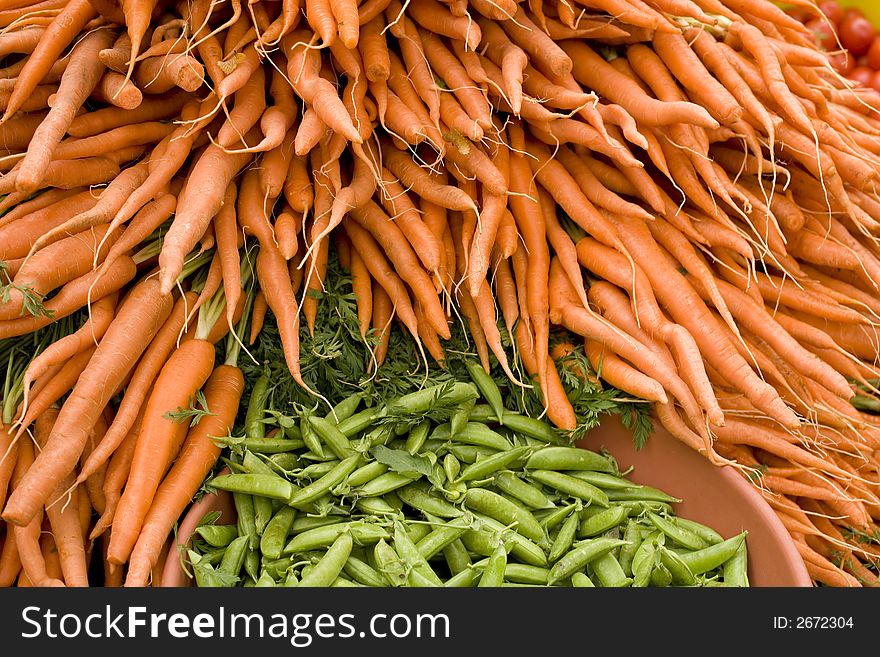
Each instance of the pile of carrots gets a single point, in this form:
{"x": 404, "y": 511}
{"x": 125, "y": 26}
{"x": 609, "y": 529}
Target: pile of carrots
{"x": 688, "y": 187}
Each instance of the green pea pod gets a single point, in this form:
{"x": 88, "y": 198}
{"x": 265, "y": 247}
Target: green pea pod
{"x": 493, "y": 571}
{"x": 331, "y": 564}
{"x": 265, "y": 580}
{"x": 735, "y": 569}
{"x": 389, "y": 564}
{"x": 362, "y": 532}
{"x": 305, "y": 523}
{"x": 532, "y": 496}
{"x": 376, "y": 506}
{"x": 366, "y": 473}
{"x": 425, "y": 399}
{"x": 523, "y": 573}
{"x": 644, "y": 560}
{"x": 489, "y": 465}
{"x": 661, "y": 576}
{"x": 270, "y": 445}
{"x": 342, "y": 583}
{"x": 564, "y": 538}
{"x": 344, "y": 409}
{"x": 681, "y": 574}
{"x": 465, "y": 579}
{"x": 451, "y": 466}
{"x": 276, "y": 531}
{"x": 581, "y": 581}
{"x": 440, "y": 537}
{"x": 709, "y": 535}
{"x": 394, "y": 500}
{"x": 261, "y": 485}
{"x": 244, "y": 507}
{"x": 569, "y": 458}
{"x": 263, "y": 513}
{"x": 641, "y": 494}
{"x": 471, "y": 453}
{"x": 291, "y": 579}
{"x": 702, "y": 561}
{"x": 460, "y": 417}
{"x": 332, "y": 436}
{"x": 601, "y": 479}
{"x": 483, "y": 413}
{"x": 316, "y": 489}
{"x": 571, "y": 486}
{"x": 310, "y": 437}
{"x": 253, "y": 464}
{"x": 417, "y": 531}
{"x": 473, "y": 433}
{"x": 277, "y": 568}
{"x": 315, "y": 470}
{"x": 358, "y": 422}
{"x": 289, "y": 426}
{"x": 363, "y": 573}
{"x": 684, "y": 537}
{"x": 233, "y": 558}
{"x": 529, "y": 426}
{"x": 252, "y": 564}
{"x": 457, "y": 557}
{"x": 553, "y": 517}
{"x": 217, "y": 535}
{"x": 418, "y": 495}
{"x": 521, "y": 547}
{"x": 212, "y": 557}
{"x": 633, "y": 537}
{"x": 256, "y": 409}
{"x": 415, "y": 562}
{"x": 506, "y": 512}
{"x": 385, "y": 483}
{"x": 417, "y": 436}
{"x": 487, "y": 387}
{"x": 580, "y": 555}
{"x": 601, "y": 522}
{"x": 609, "y": 572}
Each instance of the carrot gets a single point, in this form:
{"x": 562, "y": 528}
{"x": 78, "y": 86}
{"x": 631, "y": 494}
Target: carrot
{"x": 147, "y": 219}
{"x": 160, "y": 74}
{"x": 380, "y": 320}
{"x": 559, "y": 408}
{"x": 39, "y": 202}
{"x": 621, "y": 375}
{"x": 374, "y": 50}
{"x": 152, "y": 108}
{"x": 197, "y": 456}
{"x": 484, "y": 238}
{"x": 182, "y": 376}
{"x": 403, "y": 211}
{"x": 114, "y": 89}
{"x": 137, "y": 21}
{"x": 58, "y": 35}
{"x": 80, "y": 77}
{"x": 8, "y": 456}
{"x": 249, "y": 105}
{"x": 138, "y": 320}
{"x": 199, "y": 202}
{"x": 420, "y": 182}
{"x": 10, "y": 564}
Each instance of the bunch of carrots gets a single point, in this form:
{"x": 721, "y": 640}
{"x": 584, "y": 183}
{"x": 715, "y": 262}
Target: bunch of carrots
{"x": 687, "y": 187}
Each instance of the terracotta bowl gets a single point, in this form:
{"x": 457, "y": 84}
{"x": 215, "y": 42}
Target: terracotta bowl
{"x": 718, "y": 497}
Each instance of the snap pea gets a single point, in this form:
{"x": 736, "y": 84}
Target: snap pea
{"x": 611, "y": 517}
{"x": 560, "y": 458}
{"x": 344, "y": 409}
{"x": 456, "y": 556}
{"x": 310, "y": 438}
{"x": 571, "y": 486}
{"x": 680, "y": 535}
{"x": 316, "y": 470}
{"x": 609, "y": 572}
{"x": 305, "y": 523}
{"x": 735, "y": 569}
{"x": 425, "y": 399}
{"x": 332, "y": 436}
{"x": 291, "y": 579}
{"x": 361, "y": 532}
{"x": 483, "y": 413}
{"x": 417, "y": 436}
{"x": 331, "y": 564}
{"x": 362, "y": 572}
{"x": 417, "y": 531}
{"x": 451, "y": 466}
{"x": 601, "y": 479}
{"x": 644, "y": 559}
{"x": 418, "y": 496}
{"x": 244, "y": 507}
{"x": 341, "y": 582}
{"x": 420, "y": 571}
{"x": 493, "y": 571}
{"x": 554, "y": 516}
{"x": 262, "y": 513}
{"x": 487, "y": 387}
{"x": 532, "y": 496}
{"x": 564, "y": 538}
{"x": 471, "y": 453}
{"x": 460, "y": 417}
{"x": 270, "y": 445}
{"x": 317, "y": 488}
{"x": 633, "y": 537}
{"x": 256, "y": 409}
{"x": 580, "y": 555}
{"x": 506, "y": 512}
{"x": 217, "y": 535}
{"x": 385, "y": 483}
{"x": 679, "y": 571}
{"x": 464, "y": 579}
{"x": 709, "y": 535}
{"x": 288, "y": 425}
{"x": 521, "y": 547}
{"x": 394, "y": 500}
{"x": 353, "y": 425}
{"x": 640, "y": 494}
{"x": 529, "y": 426}
{"x": 702, "y": 561}
{"x": 252, "y": 564}
{"x": 486, "y": 466}
{"x": 473, "y": 433}
{"x": 365, "y": 473}
{"x": 212, "y": 557}
{"x": 277, "y": 568}
{"x": 233, "y": 557}
{"x": 253, "y": 464}
{"x": 275, "y": 534}
{"x": 581, "y": 580}
{"x": 661, "y": 576}
{"x": 262, "y": 485}
{"x": 265, "y": 580}
{"x": 440, "y": 537}
{"x": 523, "y": 573}
{"x": 389, "y": 563}
{"x": 376, "y": 506}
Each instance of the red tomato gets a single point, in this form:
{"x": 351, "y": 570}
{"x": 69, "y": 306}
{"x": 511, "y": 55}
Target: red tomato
{"x": 862, "y": 75}
{"x": 833, "y": 10}
{"x": 873, "y": 56}
{"x": 823, "y": 33}
{"x": 857, "y": 34}
{"x": 842, "y": 62}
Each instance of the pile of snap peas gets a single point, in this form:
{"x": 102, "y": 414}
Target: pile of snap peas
{"x": 442, "y": 487}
